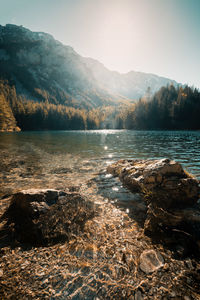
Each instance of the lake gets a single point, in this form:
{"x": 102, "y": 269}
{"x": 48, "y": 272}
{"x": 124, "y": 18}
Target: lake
{"x": 55, "y": 158}
{"x": 90, "y": 266}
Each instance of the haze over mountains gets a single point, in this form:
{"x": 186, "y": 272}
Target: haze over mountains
{"x": 43, "y": 69}
{"x": 131, "y": 85}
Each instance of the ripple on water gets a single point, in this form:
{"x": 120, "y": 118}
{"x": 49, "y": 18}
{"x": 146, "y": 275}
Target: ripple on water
{"x": 79, "y": 159}
{"x": 58, "y": 156}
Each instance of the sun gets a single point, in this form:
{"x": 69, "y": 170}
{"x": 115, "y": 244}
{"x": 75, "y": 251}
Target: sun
{"x": 118, "y": 34}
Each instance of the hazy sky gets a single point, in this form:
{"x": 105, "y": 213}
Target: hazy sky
{"x": 153, "y": 36}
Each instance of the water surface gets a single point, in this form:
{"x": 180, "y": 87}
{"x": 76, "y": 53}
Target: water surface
{"x": 91, "y": 266}
{"x": 58, "y": 159}
{"x": 103, "y": 146}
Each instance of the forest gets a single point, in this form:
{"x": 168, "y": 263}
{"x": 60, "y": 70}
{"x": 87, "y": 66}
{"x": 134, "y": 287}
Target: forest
{"x": 168, "y": 109}
{"x": 171, "y": 108}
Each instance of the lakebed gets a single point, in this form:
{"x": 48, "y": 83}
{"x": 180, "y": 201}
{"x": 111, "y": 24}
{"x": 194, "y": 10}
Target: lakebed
{"x": 103, "y": 261}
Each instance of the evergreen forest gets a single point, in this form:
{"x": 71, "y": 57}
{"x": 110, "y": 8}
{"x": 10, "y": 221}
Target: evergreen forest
{"x": 171, "y": 108}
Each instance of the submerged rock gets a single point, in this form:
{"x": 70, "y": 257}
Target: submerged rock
{"x": 34, "y": 202}
{"x": 47, "y": 216}
{"x": 171, "y": 195}
{"x": 138, "y": 295}
{"x": 185, "y": 219}
{"x": 151, "y": 261}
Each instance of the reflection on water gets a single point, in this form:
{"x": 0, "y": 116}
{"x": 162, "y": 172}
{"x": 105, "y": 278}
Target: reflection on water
{"x": 100, "y": 145}
{"x": 85, "y": 152}
{"x": 57, "y": 159}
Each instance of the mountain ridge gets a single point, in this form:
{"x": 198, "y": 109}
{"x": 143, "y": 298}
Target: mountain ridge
{"x": 39, "y": 76}
{"x": 48, "y": 70}
{"x": 132, "y": 84}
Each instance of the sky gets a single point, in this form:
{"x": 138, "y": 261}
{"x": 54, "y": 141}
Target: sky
{"x": 153, "y": 36}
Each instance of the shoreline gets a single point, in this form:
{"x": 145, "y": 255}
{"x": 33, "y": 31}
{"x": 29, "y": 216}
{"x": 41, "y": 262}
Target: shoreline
{"x": 103, "y": 261}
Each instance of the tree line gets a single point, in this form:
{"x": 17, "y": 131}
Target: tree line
{"x": 168, "y": 109}
{"x": 43, "y": 115}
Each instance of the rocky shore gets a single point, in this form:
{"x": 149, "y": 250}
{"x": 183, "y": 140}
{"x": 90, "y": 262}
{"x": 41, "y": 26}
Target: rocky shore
{"x": 72, "y": 244}
{"x": 171, "y": 196}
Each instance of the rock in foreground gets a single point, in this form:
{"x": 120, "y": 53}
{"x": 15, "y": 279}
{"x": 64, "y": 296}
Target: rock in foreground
{"x": 165, "y": 178}
{"x": 171, "y": 195}
{"x": 47, "y": 216}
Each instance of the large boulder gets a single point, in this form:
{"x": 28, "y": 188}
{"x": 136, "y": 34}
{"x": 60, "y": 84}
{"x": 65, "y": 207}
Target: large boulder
{"x": 164, "y": 181}
{"x": 47, "y": 216}
{"x": 171, "y": 196}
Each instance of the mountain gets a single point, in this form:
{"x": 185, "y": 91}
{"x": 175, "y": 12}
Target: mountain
{"x": 43, "y": 69}
{"x": 131, "y": 85}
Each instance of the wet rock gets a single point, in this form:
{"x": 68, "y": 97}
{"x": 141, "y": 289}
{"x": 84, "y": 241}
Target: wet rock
{"x": 47, "y": 216}
{"x": 34, "y": 202}
{"x": 1, "y": 272}
{"x": 138, "y": 296}
{"x": 179, "y": 228}
{"x": 165, "y": 178}
{"x": 187, "y": 219}
{"x": 150, "y": 261}
{"x": 171, "y": 195}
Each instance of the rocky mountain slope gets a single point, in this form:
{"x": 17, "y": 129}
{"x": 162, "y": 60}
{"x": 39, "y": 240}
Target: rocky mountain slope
{"x": 131, "y": 85}
{"x": 42, "y": 69}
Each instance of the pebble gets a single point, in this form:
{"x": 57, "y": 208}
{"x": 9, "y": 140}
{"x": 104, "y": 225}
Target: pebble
{"x": 189, "y": 264}
{"x": 150, "y": 261}
{"x": 138, "y": 296}
{"x": 173, "y": 294}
